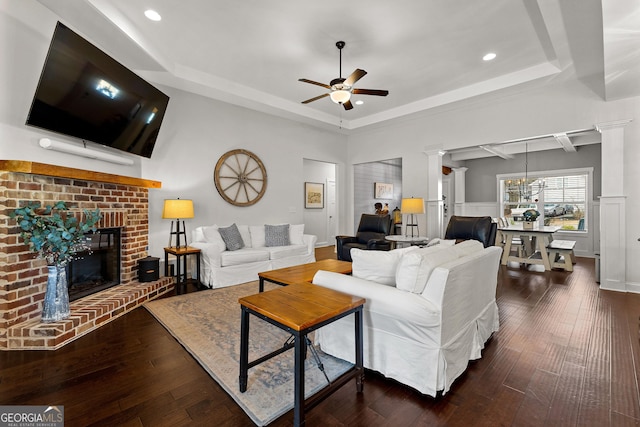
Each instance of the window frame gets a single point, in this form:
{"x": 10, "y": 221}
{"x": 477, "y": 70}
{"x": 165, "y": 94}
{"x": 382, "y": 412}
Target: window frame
{"x": 554, "y": 173}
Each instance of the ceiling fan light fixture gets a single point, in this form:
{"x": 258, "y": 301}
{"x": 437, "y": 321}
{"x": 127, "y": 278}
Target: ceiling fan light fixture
{"x": 342, "y": 88}
{"x": 152, "y": 15}
{"x": 340, "y": 96}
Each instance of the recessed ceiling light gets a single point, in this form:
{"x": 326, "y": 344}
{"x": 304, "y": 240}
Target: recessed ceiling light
{"x": 359, "y": 102}
{"x": 489, "y": 56}
{"x": 152, "y": 14}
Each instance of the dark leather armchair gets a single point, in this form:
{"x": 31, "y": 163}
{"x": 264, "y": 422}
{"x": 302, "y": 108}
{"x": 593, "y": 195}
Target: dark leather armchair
{"x": 480, "y": 228}
{"x": 370, "y": 236}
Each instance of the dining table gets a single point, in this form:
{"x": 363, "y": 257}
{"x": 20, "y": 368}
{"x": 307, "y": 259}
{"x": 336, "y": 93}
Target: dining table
{"x": 535, "y": 241}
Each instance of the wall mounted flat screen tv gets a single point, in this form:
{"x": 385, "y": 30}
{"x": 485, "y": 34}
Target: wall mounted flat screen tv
{"x": 86, "y": 94}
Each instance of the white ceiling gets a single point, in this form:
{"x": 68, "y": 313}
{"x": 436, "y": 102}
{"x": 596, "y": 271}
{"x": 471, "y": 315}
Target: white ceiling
{"x": 426, "y": 53}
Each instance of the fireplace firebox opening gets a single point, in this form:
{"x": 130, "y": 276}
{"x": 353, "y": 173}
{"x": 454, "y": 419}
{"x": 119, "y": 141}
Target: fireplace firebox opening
{"x": 98, "y": 267}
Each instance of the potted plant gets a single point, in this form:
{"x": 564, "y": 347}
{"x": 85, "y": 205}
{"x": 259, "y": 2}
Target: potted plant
{"x": 530, "y": 219}
{"x": 56, "y": 237}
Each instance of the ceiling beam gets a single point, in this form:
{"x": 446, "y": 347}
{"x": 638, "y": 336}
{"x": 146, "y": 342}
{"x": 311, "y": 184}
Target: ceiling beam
{"x": 496, "y": 151}
{"x": 565, "y": 141}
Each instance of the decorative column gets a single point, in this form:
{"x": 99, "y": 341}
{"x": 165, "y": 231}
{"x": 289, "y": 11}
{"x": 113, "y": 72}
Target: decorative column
{"x": 460, "y": 188}
{"x": 613, "y": 237}
{"x": 435, "y": 204}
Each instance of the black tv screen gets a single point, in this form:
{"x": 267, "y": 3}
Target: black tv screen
{"x": 84, "y": 93}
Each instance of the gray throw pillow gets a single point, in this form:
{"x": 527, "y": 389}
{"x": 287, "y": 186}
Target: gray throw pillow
{"x": 276, "y": 235}
{"x": 231, "y": 237}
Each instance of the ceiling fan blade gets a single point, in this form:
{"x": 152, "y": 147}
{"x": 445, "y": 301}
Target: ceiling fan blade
{"x": 315, "y": 83}
{"x": 370, "y": 92}
{"x": 348, "y": 105}
{"x": 315, "y": 99}
{"x": 355, "y": 76}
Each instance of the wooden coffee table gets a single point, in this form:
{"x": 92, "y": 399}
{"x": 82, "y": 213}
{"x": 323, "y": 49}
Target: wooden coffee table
{"x": 300, "y": 309}
{"x": 303, "y": 273}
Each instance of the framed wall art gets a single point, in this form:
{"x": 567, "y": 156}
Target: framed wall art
{"x": 313, "y": 195}
{"x": 383, "y": 190}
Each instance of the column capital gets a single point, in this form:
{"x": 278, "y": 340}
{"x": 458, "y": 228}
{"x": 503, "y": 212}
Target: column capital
{"x": 460, "y": 170}
{"x": 612, "y": 125}
{"x": 434, "y": 152}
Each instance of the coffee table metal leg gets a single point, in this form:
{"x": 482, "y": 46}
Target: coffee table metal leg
{"x": 244, "y": 349}
{"x": 261, "y": 288}
{"x": 298, "y": 401}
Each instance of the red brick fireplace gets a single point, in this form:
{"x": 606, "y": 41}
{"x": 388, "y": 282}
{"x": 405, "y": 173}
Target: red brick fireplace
{"x": 123, "y": 202}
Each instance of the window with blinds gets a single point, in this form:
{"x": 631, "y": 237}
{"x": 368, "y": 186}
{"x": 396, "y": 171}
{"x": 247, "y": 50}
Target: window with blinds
{"x": 561, "y": 197}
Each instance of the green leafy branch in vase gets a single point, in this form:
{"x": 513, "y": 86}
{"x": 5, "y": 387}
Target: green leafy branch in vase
{"x": 530, "y": 215}
{"x": 52, "y": 233}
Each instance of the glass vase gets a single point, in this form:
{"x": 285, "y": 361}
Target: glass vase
{"x": 56, "y": 298}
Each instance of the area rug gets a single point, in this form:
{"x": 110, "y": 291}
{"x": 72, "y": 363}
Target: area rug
{"x": 207, "y": 324}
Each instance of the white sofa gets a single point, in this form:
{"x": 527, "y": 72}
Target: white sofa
{"x": 221, "y": 267}
{"x": 428, "y": 311}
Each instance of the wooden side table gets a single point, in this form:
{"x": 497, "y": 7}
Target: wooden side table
{"x": 299, "y": 309}
{"x": 181, "y": 273}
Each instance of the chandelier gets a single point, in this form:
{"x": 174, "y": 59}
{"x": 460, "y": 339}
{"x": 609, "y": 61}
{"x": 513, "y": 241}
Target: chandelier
{"x": 526, "y": 189}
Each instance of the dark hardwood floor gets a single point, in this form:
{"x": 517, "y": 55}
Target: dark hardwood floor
{"x": 567, "y": 354}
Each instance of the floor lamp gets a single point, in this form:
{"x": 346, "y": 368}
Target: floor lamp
{"x": 177, "y": 209}
{"x": 412, "y": 206}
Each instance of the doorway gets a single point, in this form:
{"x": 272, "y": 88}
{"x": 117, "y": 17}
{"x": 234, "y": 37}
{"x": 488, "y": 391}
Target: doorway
{"x": 322, "y": 221}
{"x": 367, "y": 177}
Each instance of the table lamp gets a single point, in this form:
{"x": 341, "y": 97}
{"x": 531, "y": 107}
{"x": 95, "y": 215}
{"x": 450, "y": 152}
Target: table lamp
{"x": 412, "y": 207}
{"x": 177, "y": 209}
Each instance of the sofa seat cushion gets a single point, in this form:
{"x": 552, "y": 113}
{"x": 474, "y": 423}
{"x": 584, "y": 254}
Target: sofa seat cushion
{"x": 280, "y": 252}
{"x": 243, "y": 256}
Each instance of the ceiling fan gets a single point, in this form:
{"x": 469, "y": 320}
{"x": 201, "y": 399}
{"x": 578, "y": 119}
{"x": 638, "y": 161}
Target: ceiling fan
{"x": 342, "y": 89}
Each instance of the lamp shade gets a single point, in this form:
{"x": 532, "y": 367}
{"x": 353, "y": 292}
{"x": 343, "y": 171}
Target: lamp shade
{"x": 340, "y": 96}
{"x": 177, "y": 209}
{"x": 412, "y": 206}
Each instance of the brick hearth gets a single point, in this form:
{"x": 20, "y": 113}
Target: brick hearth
{"x": 124, "y": 203}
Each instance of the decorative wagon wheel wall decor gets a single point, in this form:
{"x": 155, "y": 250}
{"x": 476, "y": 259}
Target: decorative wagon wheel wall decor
{"x": 240, "y": 177}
